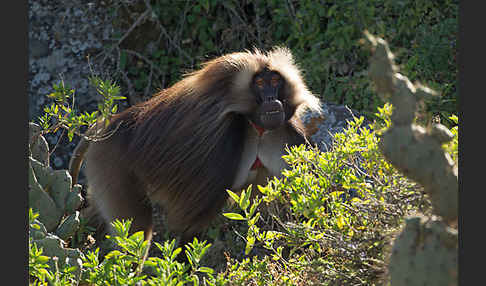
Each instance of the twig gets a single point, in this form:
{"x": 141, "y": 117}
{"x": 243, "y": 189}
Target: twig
{"x": 183, "y": 20}
{"x": 243, "y": 22}
{"x": 131, "y": 91}
{"x": 95, "y": 138}
{"x": 149, "y": 84}
{"x": 57, "y": 143}
{"x": 164, "y": 31}
{"x": 290, "y": 8}
{"x": 135, "y": 24}
{"x": 145, "y": 59}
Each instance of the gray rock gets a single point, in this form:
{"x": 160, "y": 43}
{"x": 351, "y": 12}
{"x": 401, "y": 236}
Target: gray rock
{"x": 38, "y": 49}
{"x": 332, "y": 120}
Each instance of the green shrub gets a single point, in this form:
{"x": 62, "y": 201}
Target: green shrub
{"x": 451, "y": 147}
{"x": 330, "y": 217}
{"x": 61, "y": 114}
{"x": 124, "y": 265}
{"x": 327, "y": 221}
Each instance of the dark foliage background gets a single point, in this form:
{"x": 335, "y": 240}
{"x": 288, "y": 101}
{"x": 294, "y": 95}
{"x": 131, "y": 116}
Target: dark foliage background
{"x": 325, "y": 37}
{"x": 147, "y": 45}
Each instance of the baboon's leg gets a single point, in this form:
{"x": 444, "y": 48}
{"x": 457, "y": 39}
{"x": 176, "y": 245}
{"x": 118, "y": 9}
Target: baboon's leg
{"x": 190, "y": 224}
{"x": 120, "y": 195}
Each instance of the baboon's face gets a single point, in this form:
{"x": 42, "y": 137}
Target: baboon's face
{"x": 268, "y": 88}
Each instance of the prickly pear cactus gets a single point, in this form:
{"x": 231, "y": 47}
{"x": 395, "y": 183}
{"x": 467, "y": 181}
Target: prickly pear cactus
{"x": 52, "y": 196}
{"x": 38, "y": 147}
{"x": 50, "y": 191}
{"x": 425, "y": 253}
{"x": 53, "y": 246}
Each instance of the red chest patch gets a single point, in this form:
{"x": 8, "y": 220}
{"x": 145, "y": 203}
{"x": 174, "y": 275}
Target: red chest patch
{"x": 257, "y": 164}
{"x": 258, "y": 129}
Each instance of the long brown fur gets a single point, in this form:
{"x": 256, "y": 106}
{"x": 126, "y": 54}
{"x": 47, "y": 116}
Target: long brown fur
{"x": 182, "y": 147}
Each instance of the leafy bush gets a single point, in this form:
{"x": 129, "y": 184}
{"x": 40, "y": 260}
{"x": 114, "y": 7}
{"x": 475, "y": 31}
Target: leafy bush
{"x": 123, "y": 266}
{"x": 61, "y": 114}
{"x": 330, "y": 216}
{"x": 451, "y": 147}
{"x": 328, "y": 220}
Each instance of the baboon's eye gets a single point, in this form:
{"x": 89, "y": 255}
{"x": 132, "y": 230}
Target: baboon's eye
{"x": 259, "y": 82}
{"x": 275, "y": 79}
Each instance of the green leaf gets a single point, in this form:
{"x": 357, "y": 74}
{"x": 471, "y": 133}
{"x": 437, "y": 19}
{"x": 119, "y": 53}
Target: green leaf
{"x": 195, "y": 280}
{"x": 205, "y": 270}
{"x": 42, "y": 259}
{"x": 52, "y": 95}
{"x": 113, "y": 253}
{"x": 250, "y": 242}
{"x": 190, "y": 257}
{"x": 175, "y": 253}
{"x": 150, "y": 262}
{"x": 253, "y": 208}
{"x": 245, "y": 199}
{"x": 234, "y": 216}
{"x": 70, "y": 135}
{"x": 191, "y": 18}
{"x": 123, "y": 60}
{"x": 340, "y": 222}
{"x": 32, "y": 215}
{"x": 234, "y": 196}
{"x": 454, "y": 118}
{"x": 205, "y": 4}
{"x": 332, "y": 11}
{"x": 253, "y": 220}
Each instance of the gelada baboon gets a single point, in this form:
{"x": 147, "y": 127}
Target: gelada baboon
{"x": 224, "y": 126}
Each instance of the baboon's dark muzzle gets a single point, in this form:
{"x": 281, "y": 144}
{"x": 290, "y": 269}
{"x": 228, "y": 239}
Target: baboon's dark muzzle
{"x": 271, "y": 114}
